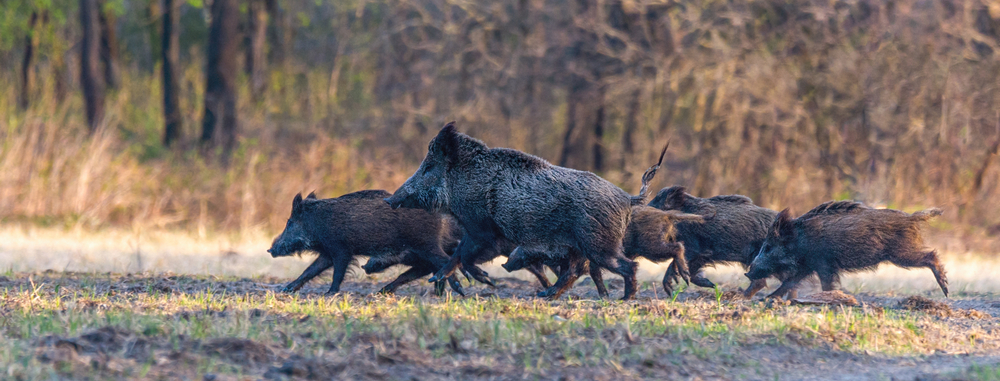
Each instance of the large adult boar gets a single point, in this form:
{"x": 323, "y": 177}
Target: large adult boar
{"x": 732, "y": 232}
{"x": 504, "y": 197}
{"x": 651, "y": 234}
{"x": 361, "y": 224}
{"x": 843, "y": 236}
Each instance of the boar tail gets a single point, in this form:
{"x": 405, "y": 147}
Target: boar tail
{"x": 925, "y": 215}
{"x": 640, "y": 199}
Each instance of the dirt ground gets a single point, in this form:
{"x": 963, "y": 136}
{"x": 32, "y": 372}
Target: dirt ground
{"x": 146, "y": 326}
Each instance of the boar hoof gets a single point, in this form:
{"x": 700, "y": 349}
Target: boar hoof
{"x": 702, "y": 282}
{"x": 487, "y": 280}
{"x": 456, "y": 286}
{"x": 384, "y": 291}
{"x": 289, "y": 289}
{"x": 439, "y": 288}
{"x": 468, "y": 276}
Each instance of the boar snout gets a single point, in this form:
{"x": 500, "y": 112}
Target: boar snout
{"x": 389, "y": 201}
{"x": 395, "y": 201}
{"x": 755, "y": 273}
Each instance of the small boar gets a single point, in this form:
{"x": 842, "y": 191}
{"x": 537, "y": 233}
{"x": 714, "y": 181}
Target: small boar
{"x": 361, "y": 224}
{"x": 732, "y": 232}
{"x": 650, "y": 235}
{"x": 506, "y": 197}
{"x": 843, "y": 236}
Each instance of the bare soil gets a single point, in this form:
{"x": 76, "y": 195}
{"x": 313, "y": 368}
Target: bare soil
{"x": 297, "y": 346}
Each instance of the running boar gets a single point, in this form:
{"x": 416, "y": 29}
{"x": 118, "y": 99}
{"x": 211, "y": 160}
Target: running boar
{"x": 843, "y": 236}
{"x": 650, "y": 235}
{"x": 504, "y": 197}
{"x": 361, "y": 224}
{"x": 733, "y": 230}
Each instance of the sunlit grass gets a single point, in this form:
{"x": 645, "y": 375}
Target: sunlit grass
{"x": 177, "y": 313}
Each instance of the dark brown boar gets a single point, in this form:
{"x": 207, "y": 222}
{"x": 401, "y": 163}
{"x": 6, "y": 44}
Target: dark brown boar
{"x": 361, "y": 224}
{"x": 650, "y": 234}
{"x": 732, "y": 232}
{"x": 504, "y": 197}
{"x": 843, "y": 236}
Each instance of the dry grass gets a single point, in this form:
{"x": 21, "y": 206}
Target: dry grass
{"x": 792, "y": 103}
{"x": 114, "y": 321}
{"x": 144, "y": 326}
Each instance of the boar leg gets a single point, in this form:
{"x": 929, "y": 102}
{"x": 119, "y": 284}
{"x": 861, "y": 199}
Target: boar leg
{"x": 598, "y": 278}
{"x": 570, "y": 271}
{"x": 321, "y": 263}
{"x": 466, "y": 255}
{"x": 829, "y": 280}
{"x": 414, "y": 273}
{"x": 621, "y": 265}
{"x": 670, "y": 278}
{"x": 339, "y": 271}
{"x": 929, "y": 260}
{"x": 438, "y": 259}
{"x": 699, "y": 278}
{"x": 788, "y": 285}
{"x": 456, "y": 259}
{"x": 675, "y": 251}
{"x": 538, "y": 271}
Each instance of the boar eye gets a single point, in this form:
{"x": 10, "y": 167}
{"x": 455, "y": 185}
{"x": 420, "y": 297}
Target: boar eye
{"x": 428, "y": 168}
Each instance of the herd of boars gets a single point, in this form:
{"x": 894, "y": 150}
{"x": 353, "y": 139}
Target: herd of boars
{"x": 467, "y": 204}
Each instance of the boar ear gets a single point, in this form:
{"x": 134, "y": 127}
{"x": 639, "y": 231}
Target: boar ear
{"x": 678, "y": 196}
{"x": 297, "y": 201}
{"x": 311, "y": 195}
{"x": 448, "y": 140}
{"x": 783, "y": 224}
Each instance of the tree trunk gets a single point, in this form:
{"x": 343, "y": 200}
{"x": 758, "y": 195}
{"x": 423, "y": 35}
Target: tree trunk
{"x": 155, "y": 31}
{"x": 109, "y": 47}
{"x": 257, "y": 30}
{"x": 219, "y": 123}
{"x": 171, "y": 54}
{"x": 572, "y": 101}
{"x": 60, "y": 64}
{"x": 90, "y": 73}
{"x": 599, "y": 130}
{"x": 631, "y": 124}
{"x": 277, "y": 33}
{"x": 29, "y": 54}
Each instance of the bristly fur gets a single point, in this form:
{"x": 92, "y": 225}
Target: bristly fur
{"x": 732, "y": 231}
{"x": 651, "y": 234}
{"x": 361, "y": 224}
{"x": 844, "y": 236}
{"x": 500, "y": 195}
{"x": 835, "y": 207}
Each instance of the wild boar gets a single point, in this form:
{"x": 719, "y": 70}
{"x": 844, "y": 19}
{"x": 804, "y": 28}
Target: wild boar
{"x": 505, "y": 197}
{"x": 650, "y": 234}
{"x": 361, "y": 224}
{"x": 843, "y": 236}
{"x": 732, "y": 232}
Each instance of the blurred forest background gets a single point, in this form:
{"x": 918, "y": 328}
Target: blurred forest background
{"x": 209, "y": 115}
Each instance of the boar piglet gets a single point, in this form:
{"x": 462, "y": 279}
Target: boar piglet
{"x": 505, "y": 197}
{"x": 650, "y": 234}
{"x": 843, "y": 236}
{"x": 732, "y": 232}
{"x": 361, "y": 224}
